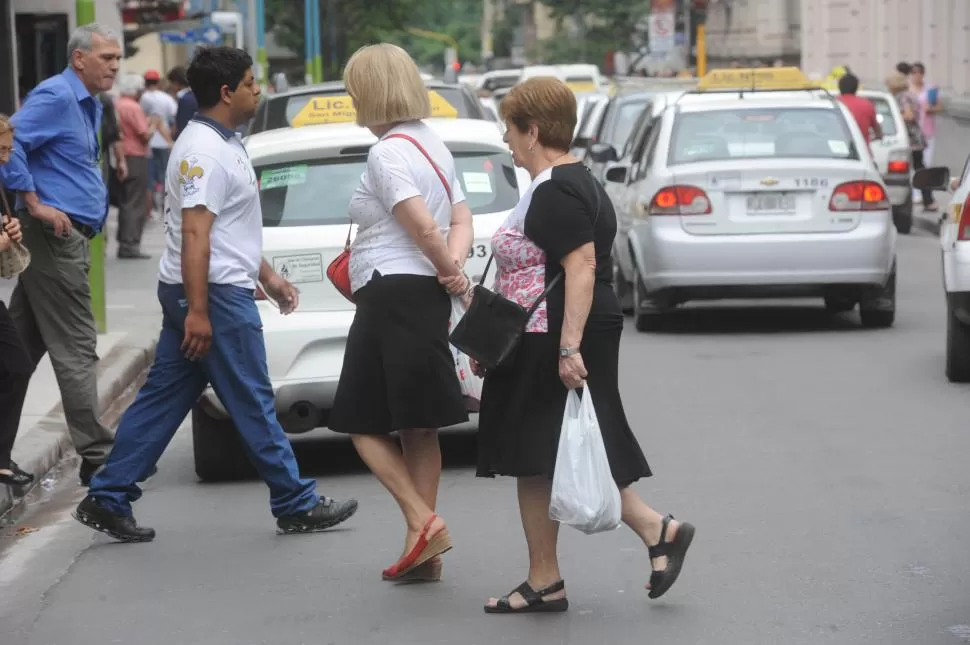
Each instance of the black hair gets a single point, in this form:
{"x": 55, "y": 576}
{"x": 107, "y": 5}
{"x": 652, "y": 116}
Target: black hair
{"x": 919, "y": 67}
{"x": 177, "y": 75}
{"x": 212, "y": 68}
{"x": 849, "y": 84}
{"x": 904, "y": 68}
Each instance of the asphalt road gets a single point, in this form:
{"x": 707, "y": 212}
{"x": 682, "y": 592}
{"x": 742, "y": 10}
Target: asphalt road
{"x": 825, "y": 467}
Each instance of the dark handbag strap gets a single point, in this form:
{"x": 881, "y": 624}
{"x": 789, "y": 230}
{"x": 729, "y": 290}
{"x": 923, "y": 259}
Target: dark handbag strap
{"x": 441, "y": 175}
{"x": 552, "y": 283}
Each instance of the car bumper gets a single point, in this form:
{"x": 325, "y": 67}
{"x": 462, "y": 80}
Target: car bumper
{"x": 669, "y": 257}
{"x": 956, "y": 269}
{"x": 305, "y": 353}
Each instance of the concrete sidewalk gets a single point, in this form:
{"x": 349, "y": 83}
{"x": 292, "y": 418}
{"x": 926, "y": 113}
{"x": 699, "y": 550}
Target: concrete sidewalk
{"x": 43, "y": 437}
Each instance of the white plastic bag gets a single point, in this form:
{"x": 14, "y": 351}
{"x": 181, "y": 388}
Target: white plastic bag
{"x": 584, "y": 494}
{"x": 471, "y": 385}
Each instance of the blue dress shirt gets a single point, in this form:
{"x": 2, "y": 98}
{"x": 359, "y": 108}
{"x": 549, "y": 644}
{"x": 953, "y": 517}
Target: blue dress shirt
{"x": 56, "y": 150}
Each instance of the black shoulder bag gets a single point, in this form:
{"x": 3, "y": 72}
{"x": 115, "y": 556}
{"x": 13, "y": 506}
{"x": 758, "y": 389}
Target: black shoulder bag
{"x": 493, "y": 325}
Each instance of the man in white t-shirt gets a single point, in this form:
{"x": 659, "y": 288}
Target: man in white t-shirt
{"x": 156, "y": 102}
{"x": 211, "y": 330}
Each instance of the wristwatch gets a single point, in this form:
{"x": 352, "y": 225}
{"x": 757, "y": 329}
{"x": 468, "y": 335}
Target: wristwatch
{"x": 567, "y": 351}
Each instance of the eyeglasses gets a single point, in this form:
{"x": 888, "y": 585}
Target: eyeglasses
{"x": 5, "y": 150}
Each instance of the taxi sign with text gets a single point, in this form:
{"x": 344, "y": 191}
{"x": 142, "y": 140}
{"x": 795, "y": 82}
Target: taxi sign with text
{"x": 339, "y": 108}
{"x": 766, "y": 78}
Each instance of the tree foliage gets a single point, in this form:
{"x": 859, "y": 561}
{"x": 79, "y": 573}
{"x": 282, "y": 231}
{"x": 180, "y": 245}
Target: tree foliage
{"x": 610, "y": 21}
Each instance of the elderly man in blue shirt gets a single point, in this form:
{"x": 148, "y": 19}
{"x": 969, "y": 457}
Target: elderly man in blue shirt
{"x": 62, "y": 204}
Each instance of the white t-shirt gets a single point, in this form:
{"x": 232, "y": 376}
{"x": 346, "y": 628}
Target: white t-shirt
{"x": 396, "y": 170}
{"x": 159, "y": 103}
{"x": 210, "y": 167}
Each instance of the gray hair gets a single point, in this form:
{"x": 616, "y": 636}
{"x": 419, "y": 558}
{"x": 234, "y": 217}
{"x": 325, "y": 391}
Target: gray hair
{"x": 83, "y": 37}
{"x": 131, "y": 85}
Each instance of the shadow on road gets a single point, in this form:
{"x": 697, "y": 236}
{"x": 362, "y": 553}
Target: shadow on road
{"x": 761, "y": 319}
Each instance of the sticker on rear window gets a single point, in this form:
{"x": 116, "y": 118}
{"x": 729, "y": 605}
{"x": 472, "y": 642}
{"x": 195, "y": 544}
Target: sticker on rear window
{"x": 839, "y": 147}
{"x": 281, "y": 177}
{"x": 477, "y": 182}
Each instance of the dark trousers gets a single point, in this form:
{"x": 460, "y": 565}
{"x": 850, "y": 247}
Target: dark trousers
{"x": 236, "y": 367}
{"x": 132, "y": 207}
{"x": 15, "y": 370}
{"x": 919, "y": 165}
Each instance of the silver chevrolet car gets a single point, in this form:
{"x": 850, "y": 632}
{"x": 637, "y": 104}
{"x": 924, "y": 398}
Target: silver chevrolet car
{"x": 737, "y": 192}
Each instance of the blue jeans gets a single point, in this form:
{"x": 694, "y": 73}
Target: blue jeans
{"x": 236, "y": 367}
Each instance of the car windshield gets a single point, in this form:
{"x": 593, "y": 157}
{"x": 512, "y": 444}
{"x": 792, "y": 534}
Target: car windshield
{"x": 884, "y": 114}
{"x": 316, "y": 192}
{"x": 721, "y": 135}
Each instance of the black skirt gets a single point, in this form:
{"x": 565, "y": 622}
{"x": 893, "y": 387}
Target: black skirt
{"x": 398, "y": 371}
{"x": 523, "y": 402}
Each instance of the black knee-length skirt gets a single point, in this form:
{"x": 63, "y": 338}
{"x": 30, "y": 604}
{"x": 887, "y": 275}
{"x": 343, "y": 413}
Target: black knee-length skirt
{"x": 398, "y": 371}
{"x": 523, "y": 402}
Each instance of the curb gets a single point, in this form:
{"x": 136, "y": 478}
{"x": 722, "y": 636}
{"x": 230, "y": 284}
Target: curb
{"x": 40, "y": 447}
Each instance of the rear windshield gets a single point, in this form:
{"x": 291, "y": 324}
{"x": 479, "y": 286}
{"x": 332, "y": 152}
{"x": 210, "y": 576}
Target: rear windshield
{"x": 720, "y": 135}
{"x": 884, "y": 114}
{"x": 296, "y": 110}
{"x": 317, "y": 192}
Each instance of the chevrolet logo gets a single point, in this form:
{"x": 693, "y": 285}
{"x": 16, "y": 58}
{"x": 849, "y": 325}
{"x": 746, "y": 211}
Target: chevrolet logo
{"x": 769, "y": 181}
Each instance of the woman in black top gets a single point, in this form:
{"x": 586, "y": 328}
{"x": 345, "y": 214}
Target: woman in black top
{"x": 564, "y": 223}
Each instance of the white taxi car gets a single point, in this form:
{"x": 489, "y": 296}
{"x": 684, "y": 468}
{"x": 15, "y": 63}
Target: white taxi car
{"x": 892, "y": 155}
{"x": 955, "y": 242}
{"x": 755, "y": 185}
{"x": 306, "y": 177}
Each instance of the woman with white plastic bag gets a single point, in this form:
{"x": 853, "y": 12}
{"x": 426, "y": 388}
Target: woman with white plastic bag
{"x": 471, "y": 383}
{"x": 558, "y": 241}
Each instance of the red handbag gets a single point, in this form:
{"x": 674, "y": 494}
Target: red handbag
{"x": 339, "y": 270}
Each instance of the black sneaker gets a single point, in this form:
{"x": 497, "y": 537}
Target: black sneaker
{"x": 326, "y": 514}
{"x": 122, "y": 528}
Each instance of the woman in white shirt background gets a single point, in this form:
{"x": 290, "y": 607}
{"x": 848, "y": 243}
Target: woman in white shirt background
{"x": 414, "y": 231}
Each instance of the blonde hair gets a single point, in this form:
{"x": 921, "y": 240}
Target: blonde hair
{"x": 549, "y": 104}
{"x": 5, "y": 124}
{"x": 386, "y": 86}
{"x": 896, "y": 82}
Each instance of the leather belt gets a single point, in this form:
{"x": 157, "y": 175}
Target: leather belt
{"x": 84, "y": 230}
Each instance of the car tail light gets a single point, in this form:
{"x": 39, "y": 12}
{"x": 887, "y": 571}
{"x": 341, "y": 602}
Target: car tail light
{"x": 963, "y": 223}
{"x": 859, "y": 196}
{"x": 260, "y": 294}
{"x": 899, "y": 166}
{"x": 680, "y": 200}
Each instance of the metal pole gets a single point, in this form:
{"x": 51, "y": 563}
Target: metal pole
{"x": 331, "y": 18}
{"x": 308, "y": 41}
{"x": 317, "y": 44}
{"x": 262, "y": 60}
{"x": 84, "y": 11}
{"x": 701, "y": 51}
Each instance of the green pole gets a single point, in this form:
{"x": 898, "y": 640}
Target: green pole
{"x": 317, "y": 45}
{"x": 85, "y": 15}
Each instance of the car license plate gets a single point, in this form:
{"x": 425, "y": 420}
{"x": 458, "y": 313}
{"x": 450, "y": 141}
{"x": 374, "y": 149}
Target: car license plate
{"x": 759, "y": 203}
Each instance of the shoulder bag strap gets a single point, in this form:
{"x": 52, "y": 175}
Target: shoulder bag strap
{"x": 441, "y": 175}
{"x": 6, "y": 204}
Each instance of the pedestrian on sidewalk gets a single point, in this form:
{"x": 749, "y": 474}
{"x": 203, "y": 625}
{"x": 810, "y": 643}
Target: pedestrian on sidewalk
{"x": 211, "y": 330}
{"x": 15, "y": 364}
{"x": 62, "y": 205}
{"x": 178, "y": 84}
{"x": 862, "y": 110}
{"x": 160, "y": 104}
{"x": 930, "y": 106}
{"x": 564, "y": 225}
{"x": 398, "y": 372}
{"x": 137, "y": 129}
{"x": 898, "y": 85}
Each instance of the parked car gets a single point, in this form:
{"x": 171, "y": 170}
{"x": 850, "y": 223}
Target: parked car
{"x": 615, "y": 127}
{"x": 737, "y": 192}
{"x": 306, "y": 178}
{"x": 955, "y": 244}
{"x": 893, "y": 157}
{"x": 329, "y": 102}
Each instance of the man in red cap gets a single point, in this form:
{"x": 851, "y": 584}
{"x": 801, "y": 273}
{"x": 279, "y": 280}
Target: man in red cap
{"x": 156, "y": 102}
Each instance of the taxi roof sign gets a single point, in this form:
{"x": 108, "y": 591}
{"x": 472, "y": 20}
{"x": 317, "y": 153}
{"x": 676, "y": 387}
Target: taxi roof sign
{"x": 755, "y": 79}
{"x": 339, "y": 108}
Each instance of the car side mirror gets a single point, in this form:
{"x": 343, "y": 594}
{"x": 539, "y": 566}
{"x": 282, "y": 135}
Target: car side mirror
{"x": 602, "y": 153}
{"x": 616, "y": 174}
{"x": 937, "y": 178}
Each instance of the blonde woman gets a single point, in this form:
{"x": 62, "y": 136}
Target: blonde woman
{"x": 15, "y": 364}
{"x": 414, "y": 232}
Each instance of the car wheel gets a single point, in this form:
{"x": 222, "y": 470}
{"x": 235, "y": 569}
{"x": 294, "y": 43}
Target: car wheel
{"x": 646, "y": 314}
{"x": 903, "y": 215}
{"x": 219, "y": 452}
{"x": 623, "y": 289}
{"x": 878, "y": 308}
{"x": 957, "y": 349}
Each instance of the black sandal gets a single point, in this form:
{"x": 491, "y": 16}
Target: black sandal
{"x": 661, "y": 581}
{"x": 533, "y": 600}
{"x": 17, "y": 477}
